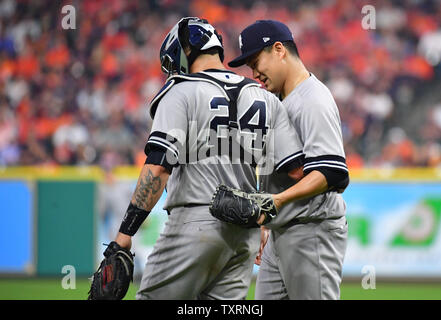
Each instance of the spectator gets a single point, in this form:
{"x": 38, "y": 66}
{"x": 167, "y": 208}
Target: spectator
{"x": 80, "y": 96}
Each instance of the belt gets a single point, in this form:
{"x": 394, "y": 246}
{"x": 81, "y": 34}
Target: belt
{"x": 297, "y": 221}
{"x": 192, "y": 205}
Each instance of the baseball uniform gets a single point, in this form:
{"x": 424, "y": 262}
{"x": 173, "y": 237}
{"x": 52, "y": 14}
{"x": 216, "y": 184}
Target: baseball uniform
{"x": 304, "y": 254}
{"x": 216, "y": 127}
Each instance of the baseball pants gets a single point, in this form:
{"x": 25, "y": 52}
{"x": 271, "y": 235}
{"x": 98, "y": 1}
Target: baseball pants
{"x": 199, "y": 257}
{"x": 303, "y": 262}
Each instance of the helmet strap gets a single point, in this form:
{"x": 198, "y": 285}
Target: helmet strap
{"x": 192, "y": 56}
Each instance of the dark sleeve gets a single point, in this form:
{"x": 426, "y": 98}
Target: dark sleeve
{"x": 293, "y": 163}
{"x": 337, "y": 179}
{"x": 158, "y": 156}
{"x": 162, "y": 149}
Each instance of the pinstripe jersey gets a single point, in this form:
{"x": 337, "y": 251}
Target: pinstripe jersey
{"x": 315, "y": 117}
{"x": 193, "y": 123}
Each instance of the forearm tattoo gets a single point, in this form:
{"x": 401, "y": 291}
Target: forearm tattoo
{"x": 147, "y": 189}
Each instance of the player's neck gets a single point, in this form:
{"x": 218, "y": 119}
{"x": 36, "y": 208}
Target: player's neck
{"x": 206, "y": 61}
{"x": 296, "y": 75}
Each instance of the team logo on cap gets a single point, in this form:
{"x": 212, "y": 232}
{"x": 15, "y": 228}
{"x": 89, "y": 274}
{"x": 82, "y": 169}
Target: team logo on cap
{"x": 266, "y": 39}
{"x": 240, "y": 41}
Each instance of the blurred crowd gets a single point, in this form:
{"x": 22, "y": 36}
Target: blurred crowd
{"x": 80, "y": 96}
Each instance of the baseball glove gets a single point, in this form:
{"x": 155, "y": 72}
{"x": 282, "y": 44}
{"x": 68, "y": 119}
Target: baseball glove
{"x": 111, "y": 280}
{"x": 242, "y": 208}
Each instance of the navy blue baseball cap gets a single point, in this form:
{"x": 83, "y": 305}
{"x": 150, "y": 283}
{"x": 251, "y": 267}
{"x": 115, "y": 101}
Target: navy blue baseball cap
{"x": 260, "y": 34}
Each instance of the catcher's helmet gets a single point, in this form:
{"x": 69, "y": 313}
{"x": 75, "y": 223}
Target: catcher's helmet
{"x": 194, "y": 32}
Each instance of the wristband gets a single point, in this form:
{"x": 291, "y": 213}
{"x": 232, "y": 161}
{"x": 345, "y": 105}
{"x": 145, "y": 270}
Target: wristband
{"x": 133, "y": 219}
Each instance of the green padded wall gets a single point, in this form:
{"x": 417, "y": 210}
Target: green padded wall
{"x": 65, "y": 230}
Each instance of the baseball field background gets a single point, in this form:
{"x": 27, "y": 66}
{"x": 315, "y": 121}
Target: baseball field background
{"x": 75, "y": 81}
{"x": 63, "y": 217}
{"x": 51, "y": 289}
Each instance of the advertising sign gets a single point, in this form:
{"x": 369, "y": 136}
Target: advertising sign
{"x": 394, "y": 228}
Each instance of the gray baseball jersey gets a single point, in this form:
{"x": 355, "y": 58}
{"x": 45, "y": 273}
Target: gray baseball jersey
{"x": 315, "y": 117}
{"x": 304, "y": 254}
{"x": 192, "y": 122}
{"x": 211, "y": 140}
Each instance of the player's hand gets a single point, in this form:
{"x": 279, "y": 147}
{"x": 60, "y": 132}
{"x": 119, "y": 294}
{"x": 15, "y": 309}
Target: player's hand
{"x": 264, "y": 234}
{"x": 124, "y": 240}
{"x": 277, "y": 201}
{"x": 277, "y": 204}
{"x": 248, "y": 210}
{"x": 112, "y": 279}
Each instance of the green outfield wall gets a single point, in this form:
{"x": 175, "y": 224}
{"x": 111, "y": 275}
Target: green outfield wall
{"x": 55, "y": 216}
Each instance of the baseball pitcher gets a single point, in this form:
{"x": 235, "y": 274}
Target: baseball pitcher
{"x": 303, "y": 256}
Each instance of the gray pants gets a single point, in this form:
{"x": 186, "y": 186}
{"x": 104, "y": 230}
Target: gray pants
{"x": 199, "y": 257}
{"x": 303, "y": 261}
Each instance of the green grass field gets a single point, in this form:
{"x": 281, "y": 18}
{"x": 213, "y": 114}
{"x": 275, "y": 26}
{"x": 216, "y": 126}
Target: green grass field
{"x": 51, "y": 289}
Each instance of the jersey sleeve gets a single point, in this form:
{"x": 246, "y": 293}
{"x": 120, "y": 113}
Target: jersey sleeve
{"x": 322, "y": 139}
{"x": 169, "y": 128}
{"x": 284, "y": 145}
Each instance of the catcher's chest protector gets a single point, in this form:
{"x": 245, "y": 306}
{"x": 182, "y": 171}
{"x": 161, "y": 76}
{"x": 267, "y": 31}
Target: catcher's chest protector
{"x": 230, "y": 88}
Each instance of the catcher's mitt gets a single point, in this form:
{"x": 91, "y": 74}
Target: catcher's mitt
{"x": 242, "y": 208}
{"x": 111, "y": 280}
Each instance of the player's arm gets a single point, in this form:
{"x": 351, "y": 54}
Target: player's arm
{"x": 324, "y": 165}
{"x": 162, "y": 157}
{"x": 297, "y": 173}
{"x": 162, "y": 149}
{"x": 149, "y": 188}
{"x": 113, "y": 276}
{"x": 312, "y": 184}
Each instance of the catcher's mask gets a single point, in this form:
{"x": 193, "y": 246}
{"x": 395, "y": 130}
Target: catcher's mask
{"x": 198, "y": 34}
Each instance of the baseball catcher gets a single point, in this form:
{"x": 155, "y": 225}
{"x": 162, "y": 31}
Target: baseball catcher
{"x": 111, "y": 280}
{"x": 242, "y": 208}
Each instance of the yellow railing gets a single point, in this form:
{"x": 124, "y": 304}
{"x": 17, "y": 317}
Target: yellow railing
{"x": 396, "y": 174}
{"x": 132, "y": 172}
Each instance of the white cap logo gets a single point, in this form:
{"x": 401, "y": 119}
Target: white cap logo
{"x": 240, "y": 41}
{"x": 265, "y": 39}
